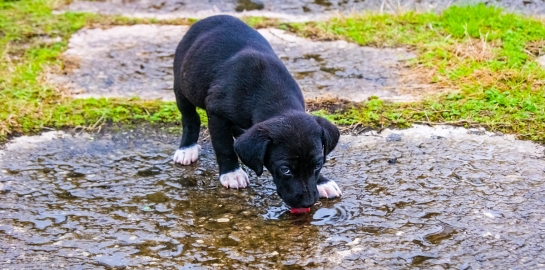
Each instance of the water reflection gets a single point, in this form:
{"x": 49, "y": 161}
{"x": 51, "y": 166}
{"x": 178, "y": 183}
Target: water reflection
{"x": 115, "y": 200}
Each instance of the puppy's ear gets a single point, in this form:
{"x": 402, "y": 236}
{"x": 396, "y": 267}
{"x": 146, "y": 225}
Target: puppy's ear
{"x": 252, "y": 146}
{"x": 330, "y": 135}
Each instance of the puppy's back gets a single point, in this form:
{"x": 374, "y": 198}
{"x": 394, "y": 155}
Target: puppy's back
{"x": 206, "y": 47}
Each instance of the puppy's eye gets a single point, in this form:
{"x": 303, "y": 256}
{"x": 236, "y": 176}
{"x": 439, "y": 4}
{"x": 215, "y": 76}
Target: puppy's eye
{"x": 285, "y": 170}
{"x": 318, "y": 166}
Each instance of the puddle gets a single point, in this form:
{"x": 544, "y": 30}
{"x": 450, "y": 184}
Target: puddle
{"x": 291, "y": 10}
{"x": 453, "y": 199}
{"x": 125, "y": 61}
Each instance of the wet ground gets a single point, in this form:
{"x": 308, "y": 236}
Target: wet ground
{"x": 126, "y": 61}
{"x": 294, "y": 10}
{"x": 424, "y": 197}
{"x": 418, "y": 198}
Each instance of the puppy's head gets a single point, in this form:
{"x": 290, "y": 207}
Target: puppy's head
{"x": 293, "y": 148}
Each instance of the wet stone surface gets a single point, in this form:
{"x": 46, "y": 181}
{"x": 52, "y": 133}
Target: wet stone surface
{"x": 453, "y": 199}
{"x": 293, "y": 10}
{"x": 137, "y": 61}
{"x": 122, "y": 61}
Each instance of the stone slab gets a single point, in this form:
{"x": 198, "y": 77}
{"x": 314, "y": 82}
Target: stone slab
{"x": 289, "y": 10}
{"x": 137, "y": 61}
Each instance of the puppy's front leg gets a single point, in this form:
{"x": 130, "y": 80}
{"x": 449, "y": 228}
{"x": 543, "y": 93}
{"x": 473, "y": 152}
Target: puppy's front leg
{"x": 328, "y": 188}
{"x": 231, "y": 175}
{"x": 188, "y": 152}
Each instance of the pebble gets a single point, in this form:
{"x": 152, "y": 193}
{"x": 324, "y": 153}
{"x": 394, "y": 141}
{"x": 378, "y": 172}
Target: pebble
{"x": 393, "y": 137}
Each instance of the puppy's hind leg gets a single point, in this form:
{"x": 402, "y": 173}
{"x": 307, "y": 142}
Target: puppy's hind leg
{"x": 328, "y": 188}
{"x": 188, "y": 151}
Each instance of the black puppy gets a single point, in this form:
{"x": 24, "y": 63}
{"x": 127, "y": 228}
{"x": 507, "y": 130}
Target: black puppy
{"x": 255, "y": 109}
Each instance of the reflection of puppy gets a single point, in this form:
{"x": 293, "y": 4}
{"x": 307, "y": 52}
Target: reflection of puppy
{"x": 230, "y": 70}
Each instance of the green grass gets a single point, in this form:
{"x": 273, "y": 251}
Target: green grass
{"x": 500, "y": 88}
{"x": 31, "y": 39}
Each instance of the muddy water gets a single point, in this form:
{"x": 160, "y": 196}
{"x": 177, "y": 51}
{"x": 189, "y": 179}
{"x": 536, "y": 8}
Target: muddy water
{"x": 125, "y": 61}
{"x": 441, "y": 198}
{"x": 295, "y": 10}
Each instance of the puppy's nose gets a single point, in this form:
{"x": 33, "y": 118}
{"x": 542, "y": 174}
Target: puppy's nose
{"x": 307, "y": 200}
{"x": 307, "y": 205}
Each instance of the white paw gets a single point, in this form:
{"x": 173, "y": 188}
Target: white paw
{"x": 329, "y": 189}
{"x": 186, "y": 156}
{"x": 235, "y": 179}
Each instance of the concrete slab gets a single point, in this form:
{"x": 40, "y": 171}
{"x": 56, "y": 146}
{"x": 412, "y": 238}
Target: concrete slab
{"x": 288, "y": 10}
{"x": 137, "y": 61}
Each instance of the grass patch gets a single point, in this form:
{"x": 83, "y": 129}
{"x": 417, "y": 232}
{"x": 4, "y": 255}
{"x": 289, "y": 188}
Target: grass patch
{"x": 482, "y": 53}
{"x": 31, "y": 39}
{"x": 263, "y": 22}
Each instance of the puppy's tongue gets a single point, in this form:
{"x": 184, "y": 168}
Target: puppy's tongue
{"x": 299, "y": 211}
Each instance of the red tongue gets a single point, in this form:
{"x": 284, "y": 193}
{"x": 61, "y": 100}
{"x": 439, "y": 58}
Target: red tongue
{"x": 299, "y": 211}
